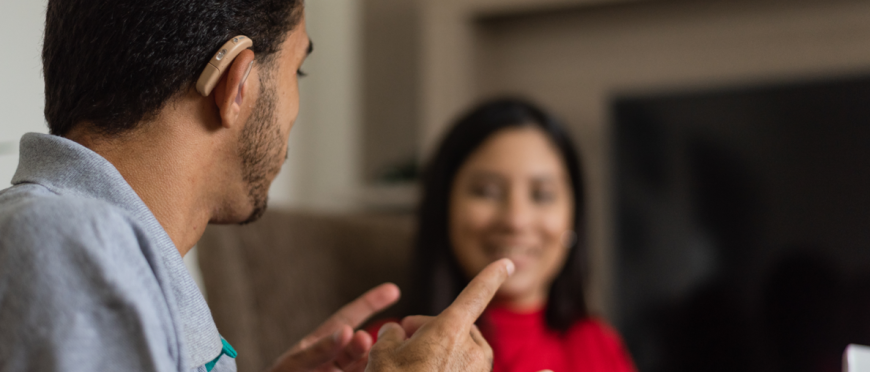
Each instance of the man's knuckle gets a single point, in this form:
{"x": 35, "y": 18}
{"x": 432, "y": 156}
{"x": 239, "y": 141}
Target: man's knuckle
{"x": 479, "y": 357}
{"x": 455, "y": 313}
{"x": 377, "y": 351}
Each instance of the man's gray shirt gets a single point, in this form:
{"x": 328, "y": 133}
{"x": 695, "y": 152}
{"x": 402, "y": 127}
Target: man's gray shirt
{"x": 89, "y": 280}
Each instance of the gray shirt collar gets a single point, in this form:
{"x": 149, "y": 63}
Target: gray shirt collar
{"x": 68, "y": 168}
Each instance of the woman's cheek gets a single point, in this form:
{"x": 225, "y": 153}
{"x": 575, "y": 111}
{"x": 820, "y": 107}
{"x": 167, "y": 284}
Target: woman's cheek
{"x": 467, "y": 232}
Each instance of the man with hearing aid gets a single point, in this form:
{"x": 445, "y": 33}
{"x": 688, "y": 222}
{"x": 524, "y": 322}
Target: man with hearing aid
{"x": 165, "y": 116}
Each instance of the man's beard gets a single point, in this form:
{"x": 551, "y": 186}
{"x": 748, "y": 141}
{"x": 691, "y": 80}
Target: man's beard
{"x": 260, "y": 150}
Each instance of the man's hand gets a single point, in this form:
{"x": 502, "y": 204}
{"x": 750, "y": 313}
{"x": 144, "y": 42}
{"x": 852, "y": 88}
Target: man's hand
{"x": 448, "y": 342}
{"x": 334, "y": 346}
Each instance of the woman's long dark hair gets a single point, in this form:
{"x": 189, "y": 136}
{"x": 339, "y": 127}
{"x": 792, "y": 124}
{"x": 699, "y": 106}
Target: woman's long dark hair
{"x": 437, "y": 276}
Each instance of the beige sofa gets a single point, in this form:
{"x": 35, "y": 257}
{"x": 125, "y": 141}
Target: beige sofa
{"x": 270, "y": 283}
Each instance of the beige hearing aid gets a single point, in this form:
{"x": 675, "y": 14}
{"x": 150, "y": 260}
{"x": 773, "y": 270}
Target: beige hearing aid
{"x": 220, "y": 62}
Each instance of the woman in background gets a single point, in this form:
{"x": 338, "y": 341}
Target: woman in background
{"x": 506, "y": 182}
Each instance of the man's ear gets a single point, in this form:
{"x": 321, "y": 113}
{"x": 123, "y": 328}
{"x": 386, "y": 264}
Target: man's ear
{"x": 232, "y": 91}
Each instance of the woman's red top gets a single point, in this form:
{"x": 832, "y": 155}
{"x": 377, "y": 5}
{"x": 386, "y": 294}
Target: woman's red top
{"x": 521, "y": 342}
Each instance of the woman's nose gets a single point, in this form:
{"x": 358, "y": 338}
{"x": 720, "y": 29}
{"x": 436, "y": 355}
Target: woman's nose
{"x": 516, "y": 212}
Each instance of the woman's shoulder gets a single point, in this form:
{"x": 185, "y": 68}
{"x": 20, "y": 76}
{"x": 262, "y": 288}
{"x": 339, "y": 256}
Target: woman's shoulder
{"x": 594, "y": 333}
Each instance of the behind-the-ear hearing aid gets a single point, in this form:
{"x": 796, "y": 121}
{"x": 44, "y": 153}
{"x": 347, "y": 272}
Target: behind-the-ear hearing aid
{"x": 220, "y": 62}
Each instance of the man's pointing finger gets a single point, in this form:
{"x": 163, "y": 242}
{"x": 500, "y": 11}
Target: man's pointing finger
{"x": 476, "y": 296}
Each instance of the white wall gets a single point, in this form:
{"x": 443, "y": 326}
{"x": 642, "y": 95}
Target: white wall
{"x": 21, "y": 87}
{"x": 323, "y": 171}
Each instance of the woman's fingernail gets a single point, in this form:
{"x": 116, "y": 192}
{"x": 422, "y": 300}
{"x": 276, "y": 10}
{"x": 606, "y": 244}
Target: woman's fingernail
{"x": 336, "y": 337}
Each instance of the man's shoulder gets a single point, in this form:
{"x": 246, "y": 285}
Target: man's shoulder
{"x": 80, "y": 288}
{"x": 67, "y": 244}
{"x": 31, "y": 214}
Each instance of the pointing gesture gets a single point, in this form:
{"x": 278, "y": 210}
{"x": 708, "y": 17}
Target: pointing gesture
{"x": 448, "y": 342}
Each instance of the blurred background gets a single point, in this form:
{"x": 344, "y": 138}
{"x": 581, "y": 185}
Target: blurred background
{"x": 726, "y": 145}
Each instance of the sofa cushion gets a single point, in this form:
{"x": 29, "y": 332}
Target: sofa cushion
{"x": 272, "y": 282}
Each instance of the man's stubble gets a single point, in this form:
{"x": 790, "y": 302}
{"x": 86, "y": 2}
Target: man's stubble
{"x": 260, "y": 144}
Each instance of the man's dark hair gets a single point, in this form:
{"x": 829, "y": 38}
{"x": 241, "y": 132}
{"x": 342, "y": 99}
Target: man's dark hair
{"x": 438, "y": 278}
{"x": 115, "y": 63}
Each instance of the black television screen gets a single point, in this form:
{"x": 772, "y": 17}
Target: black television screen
{"x": 743, "y": 226}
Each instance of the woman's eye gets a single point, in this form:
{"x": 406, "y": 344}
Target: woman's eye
{"x": 486, "y": 191}
{"x": 543, "y": 196}
{"x": 301, "y": 73}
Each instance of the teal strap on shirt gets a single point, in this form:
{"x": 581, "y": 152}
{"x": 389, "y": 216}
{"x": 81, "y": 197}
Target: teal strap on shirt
{"x": 227, "y": 350}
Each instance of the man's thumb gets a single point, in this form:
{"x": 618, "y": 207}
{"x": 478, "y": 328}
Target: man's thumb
{"x": 390, "y": 336}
